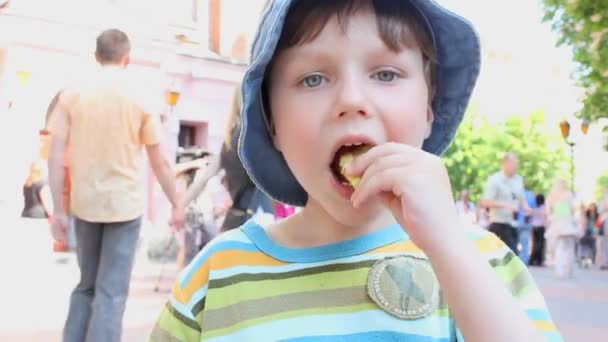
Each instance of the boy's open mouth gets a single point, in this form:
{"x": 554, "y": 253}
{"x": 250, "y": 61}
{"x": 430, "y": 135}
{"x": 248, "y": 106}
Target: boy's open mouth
{"x": 344, "y": 156}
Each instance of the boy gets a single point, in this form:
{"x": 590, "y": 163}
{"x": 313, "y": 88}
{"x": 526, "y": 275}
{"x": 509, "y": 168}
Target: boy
{"x": 387, "y": 82}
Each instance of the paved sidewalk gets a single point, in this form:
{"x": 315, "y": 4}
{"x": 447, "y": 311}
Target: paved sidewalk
{"x": 36, "y": 286}
{"x": 579, "y": 306}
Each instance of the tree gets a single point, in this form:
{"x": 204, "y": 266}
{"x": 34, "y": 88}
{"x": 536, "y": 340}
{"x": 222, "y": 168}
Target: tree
{"x": 583, "y": 25}
{"x": 602, "y": 185}
{"x": 479, "y": 147}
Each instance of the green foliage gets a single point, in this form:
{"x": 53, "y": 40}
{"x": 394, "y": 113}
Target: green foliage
{"x": 583, "y": 25}
{"x": 602, "y": 184}
{"x": 479, "y": 146}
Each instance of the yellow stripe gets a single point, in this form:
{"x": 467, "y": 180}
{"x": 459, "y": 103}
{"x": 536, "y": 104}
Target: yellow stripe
{"x": 405, "y": 246}
{"x": 489, "y": 243}
{"x": 545, "y": 326}
{"x": 221, "y": 260}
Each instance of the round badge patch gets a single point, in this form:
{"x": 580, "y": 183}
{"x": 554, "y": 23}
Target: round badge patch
{"x": 405, "y": 286}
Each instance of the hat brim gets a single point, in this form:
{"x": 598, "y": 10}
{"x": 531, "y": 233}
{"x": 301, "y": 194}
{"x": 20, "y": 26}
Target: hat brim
{"x": 458, "y": 50}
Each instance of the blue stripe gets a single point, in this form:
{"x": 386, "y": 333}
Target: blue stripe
{"x": 358, "y": 245}
{"x": 539, "y": 314}
{"x": 202, "y": 257}
{"x": 370, "y": 336}
{"x": 435, "y": 328}
{"x": 553, "y": 336}
{"x": 477, "y": 234}
{"x": 181, "y": 308}
{"x": 197, "y": 296}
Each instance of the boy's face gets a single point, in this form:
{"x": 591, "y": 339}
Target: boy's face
{"x": 344, "y": 88}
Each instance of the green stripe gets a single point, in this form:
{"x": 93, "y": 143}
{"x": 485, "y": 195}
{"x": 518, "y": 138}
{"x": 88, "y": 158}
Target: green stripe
{"x": 525, "y": 290}
{"x": 261, "y": 320}
{"x": 514, "y": 274}
{"x": 169, "y": 324}
{"x": 160, "y": 335}
{"x": 497, "y": 262}
{"x": 243, "y": 277}
{"x": 320, "y": 300}
{"x": 510, "y": 268}
{"x": 521, "y": 283}
{"x": 199, "y": 317}
{"x": 244, "y": 291}
{"x": 183, "y": 319}
{"x": 198, "y": 307}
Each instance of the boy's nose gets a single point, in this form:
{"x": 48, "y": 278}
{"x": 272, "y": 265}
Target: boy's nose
{"x": 351, "y": 99}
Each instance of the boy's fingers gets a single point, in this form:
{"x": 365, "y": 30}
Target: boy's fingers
{"x": 388, "y": 161}
{"x": 362, "y": 162}
{"x": 370, "y": 186}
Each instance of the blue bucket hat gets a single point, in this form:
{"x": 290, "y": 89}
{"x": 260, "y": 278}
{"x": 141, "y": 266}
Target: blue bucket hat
{"x": 458, "y": 54}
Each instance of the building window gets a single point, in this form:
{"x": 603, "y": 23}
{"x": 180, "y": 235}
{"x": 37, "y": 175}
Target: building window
{"x": 187, "y": 136}
{"x": 230, "y": 33}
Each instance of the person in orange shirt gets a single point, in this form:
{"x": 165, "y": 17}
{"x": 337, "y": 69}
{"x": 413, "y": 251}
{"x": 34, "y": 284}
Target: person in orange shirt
{"x": 106, "y": 125}
{"x": 59, "y": 246}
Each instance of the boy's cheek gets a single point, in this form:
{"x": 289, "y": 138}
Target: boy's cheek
{"x": 296, "y": 139}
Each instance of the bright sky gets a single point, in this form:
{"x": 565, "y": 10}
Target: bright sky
{"x": 523, "y": 71}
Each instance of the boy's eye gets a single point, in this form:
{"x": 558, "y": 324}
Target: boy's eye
{"x": 385, "y": 76}
{"x": 313, "y": 81}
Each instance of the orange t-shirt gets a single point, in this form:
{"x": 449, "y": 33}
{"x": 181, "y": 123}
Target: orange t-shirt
{"x": 105, "y": 125}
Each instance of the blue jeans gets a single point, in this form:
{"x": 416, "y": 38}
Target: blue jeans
{"x": 525, "y": 233}
{"x": 105, "y": 253}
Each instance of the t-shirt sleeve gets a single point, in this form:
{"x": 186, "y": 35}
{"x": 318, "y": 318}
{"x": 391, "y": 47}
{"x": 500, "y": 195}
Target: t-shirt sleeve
{"x": 151, "y": 129}
{"x": 59, "y": 121}
{"x": 181, "y": 318}
{"x": 516, "y": 277}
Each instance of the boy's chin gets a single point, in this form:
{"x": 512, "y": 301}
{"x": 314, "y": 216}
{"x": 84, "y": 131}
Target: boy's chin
{"x": 356, "y": 217}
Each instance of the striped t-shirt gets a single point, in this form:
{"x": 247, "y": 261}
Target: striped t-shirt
{"x": 245, "y": 287}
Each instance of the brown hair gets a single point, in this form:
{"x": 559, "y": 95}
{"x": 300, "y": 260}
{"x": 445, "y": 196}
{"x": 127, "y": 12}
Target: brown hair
{"x": 112, "y": 46}
{"x": 400, "y": 26}
{"x": 36, "y": 173}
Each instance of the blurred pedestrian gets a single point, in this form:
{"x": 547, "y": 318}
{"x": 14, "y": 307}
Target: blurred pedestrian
{"x": 602, "y": 236}
{"x": 503, "y": 194}
{"x": 538, "y": 223}
{"x": 587, "y": 244}
{"x": 37, "y": 202}
{"x": 103, "y": 121}
{"x": 524, "y": 227}
{"x": 247, "y": 199}
{"x": 70, "y": 244}
{"x": 563, "y": 228}
{"x": 466, "y": 210}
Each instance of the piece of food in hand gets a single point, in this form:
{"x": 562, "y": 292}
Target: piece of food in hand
{"x": 346, "y": 158}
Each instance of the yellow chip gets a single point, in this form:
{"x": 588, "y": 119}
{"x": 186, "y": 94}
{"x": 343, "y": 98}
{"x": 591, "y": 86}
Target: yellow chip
{"x": 346, "y": 159}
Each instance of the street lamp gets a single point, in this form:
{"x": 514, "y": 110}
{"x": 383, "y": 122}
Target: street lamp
{"x": 172, "y": 97}
{"x": 564, "y": 127}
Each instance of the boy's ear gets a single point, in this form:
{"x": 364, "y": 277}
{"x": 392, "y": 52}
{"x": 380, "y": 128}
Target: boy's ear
{"x": 430, "y": 117}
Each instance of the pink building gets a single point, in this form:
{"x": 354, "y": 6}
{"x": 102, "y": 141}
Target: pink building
{"x": 197, "y": 47}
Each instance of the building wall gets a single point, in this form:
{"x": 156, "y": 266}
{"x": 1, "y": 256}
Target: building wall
{"x": 53, "y": 52}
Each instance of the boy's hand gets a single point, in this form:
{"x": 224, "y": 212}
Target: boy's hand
{"x": 414, "y": 185}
